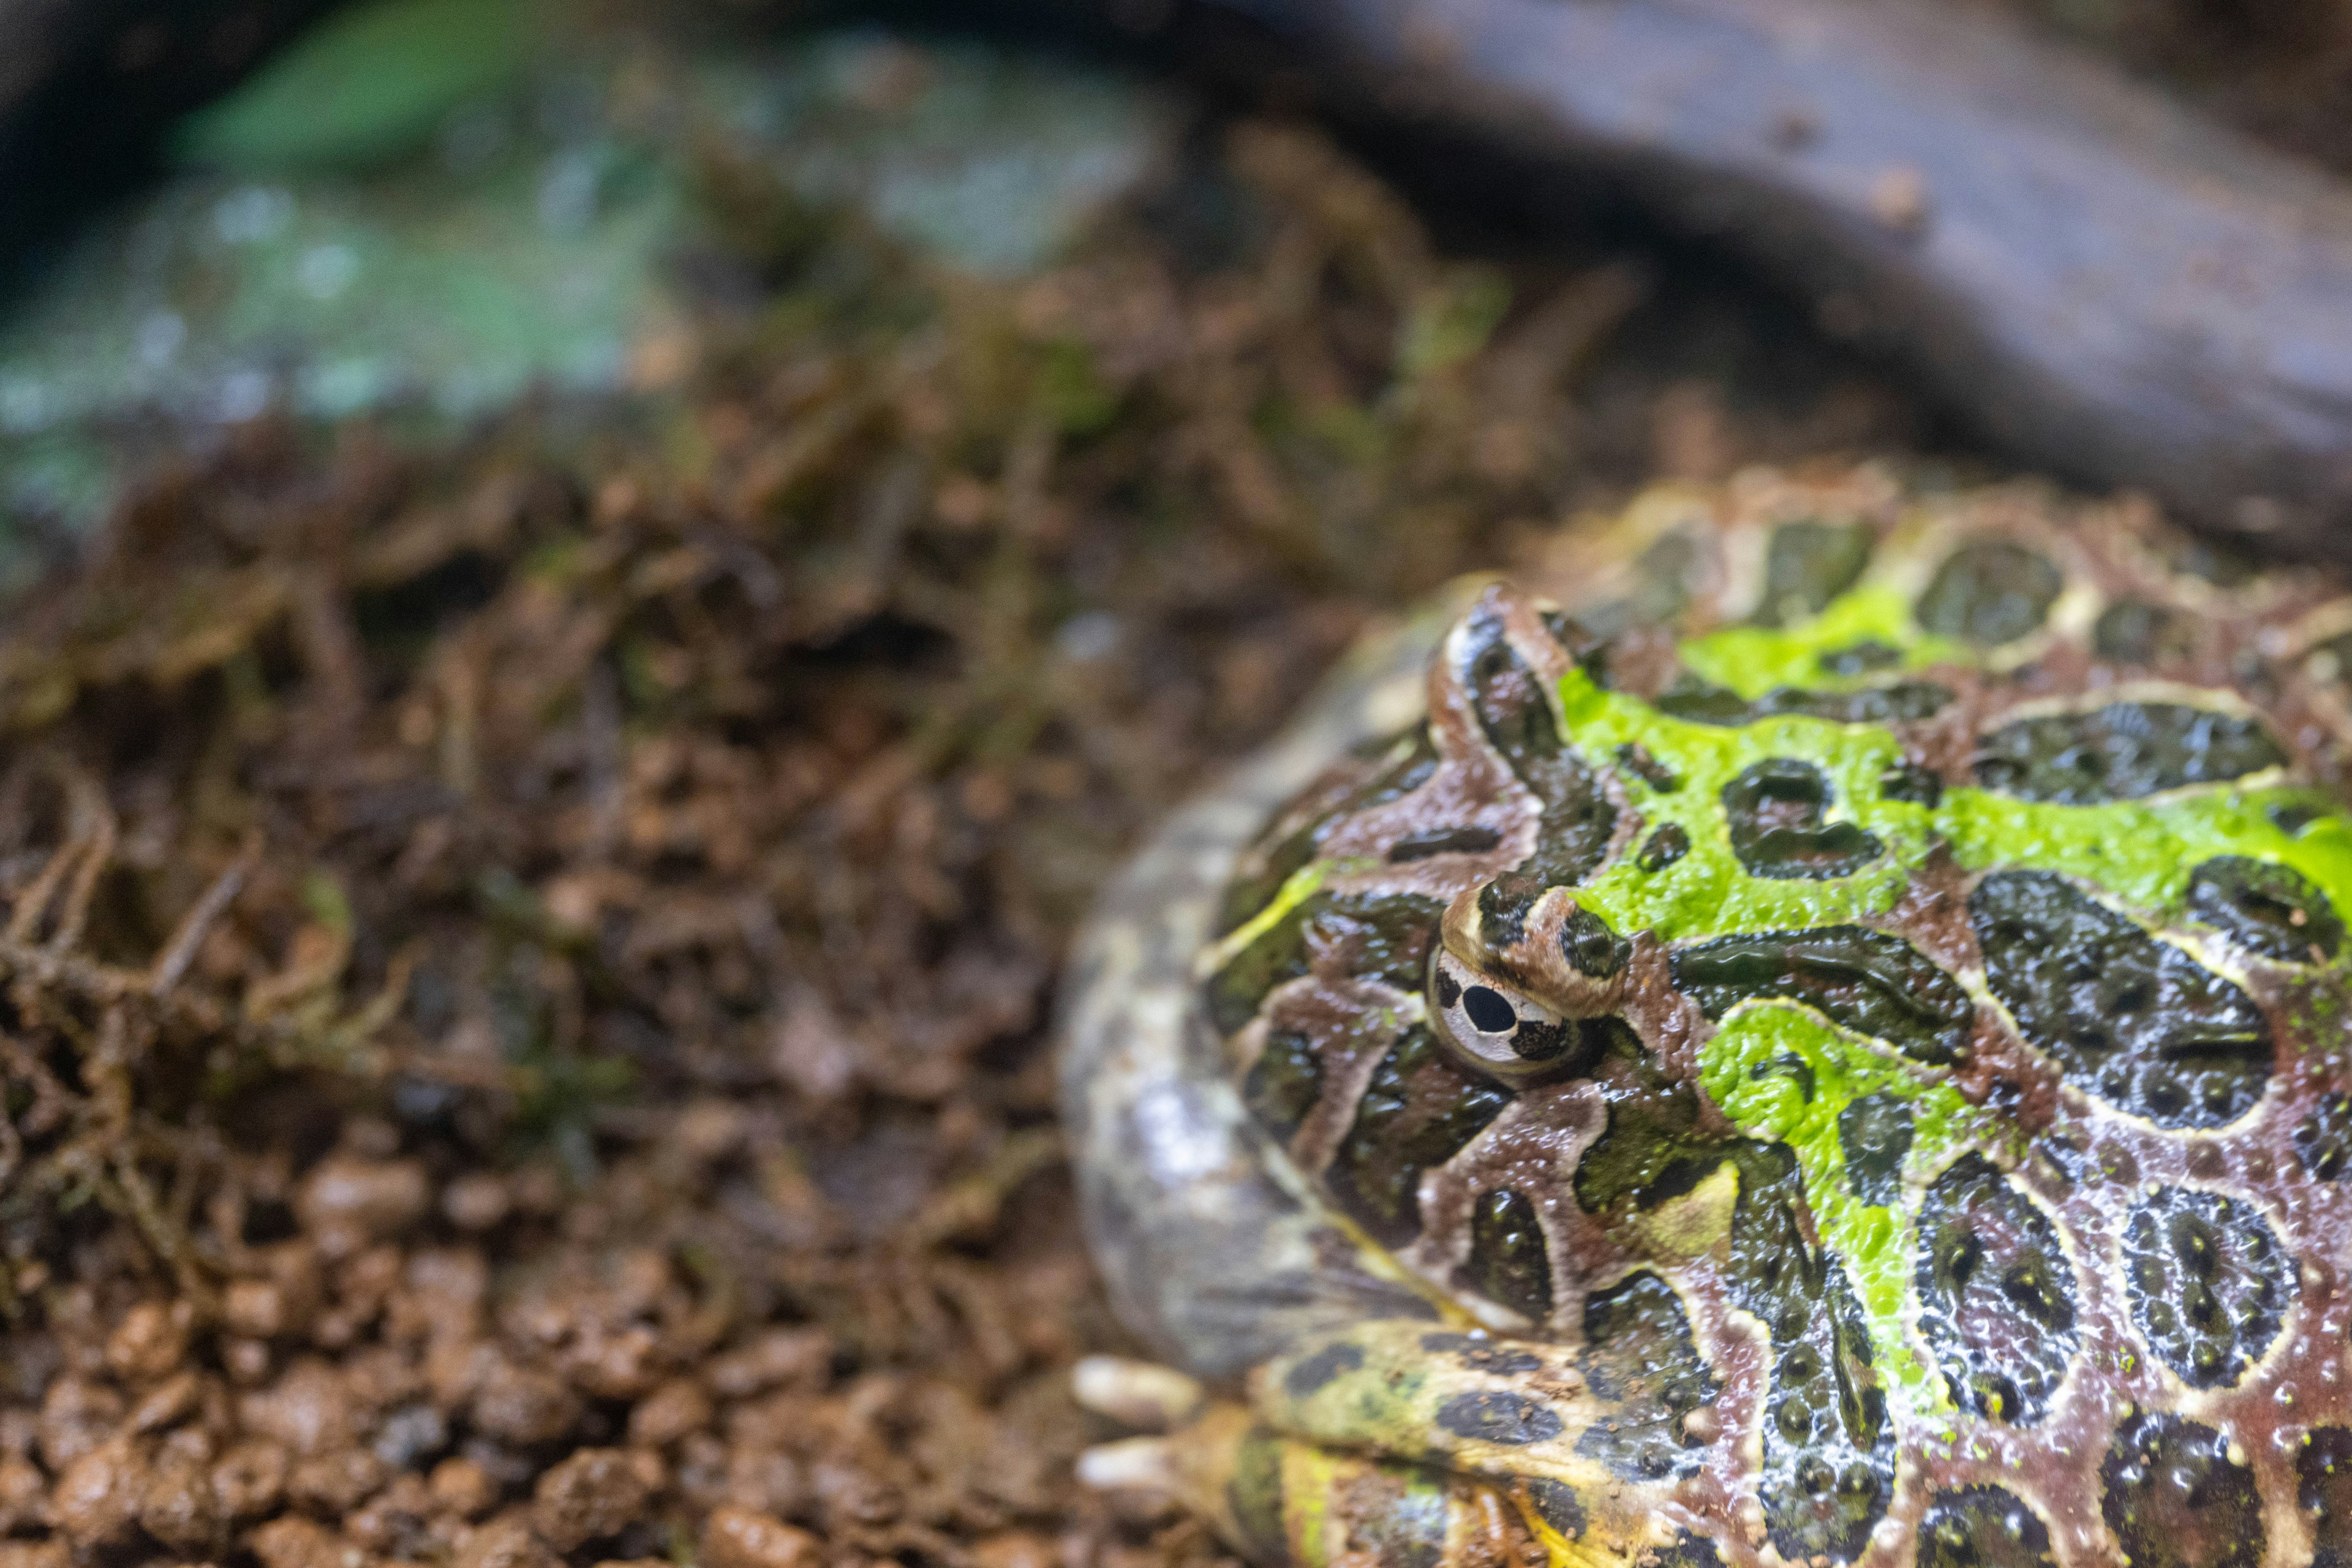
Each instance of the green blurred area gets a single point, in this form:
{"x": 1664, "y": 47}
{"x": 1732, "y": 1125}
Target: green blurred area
{"x": 426, "y": 209}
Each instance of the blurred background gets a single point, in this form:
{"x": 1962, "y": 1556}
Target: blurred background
{"x": 594, "y": 586}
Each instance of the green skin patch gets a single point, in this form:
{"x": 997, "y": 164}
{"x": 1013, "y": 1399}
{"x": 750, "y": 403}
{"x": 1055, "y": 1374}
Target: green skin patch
{"x": 1739, "y": 1069}
{"x": 1753, "y": 660}
{"x": 2138, "y": 851}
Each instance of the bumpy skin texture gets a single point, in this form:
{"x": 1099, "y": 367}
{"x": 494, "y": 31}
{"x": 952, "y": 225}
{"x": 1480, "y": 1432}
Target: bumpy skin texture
{"x": 1830, "y": 1048}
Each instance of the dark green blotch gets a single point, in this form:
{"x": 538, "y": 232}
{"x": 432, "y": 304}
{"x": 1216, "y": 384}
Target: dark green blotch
{"x": 1775, "y": 1275}
{"x": 1509, "y": 1260}
{"x": 1636, "y": 760}
{"x": 1648, "y": 1151}
{"x": 1666, "y": 845}
{"x": 2215, "y": 561}
{"x": 1867, "y": 981}
{"x": 2323, "y": 1140}
{"x": 1308, "y": 1377}
{"x": 2322, "y": 1475}
{"x": 1283, "y": 1084}
{"x": 1494, "y": 1357}
{"x": 1591, "y": 948}
{"x": 1903, "y": 702}
{"x": 1254, "y": 1498}
{"x": 1499, "y": 1416}
{"x": 1640, "y": 1355}
{"x": 2175, "y": 1500}
{"x": 1809, "y": 563}
{"x": 1875, "y": 1134}
{"x": 2292, "y": 817}
{"x": 2132, "y": 631}
{"x": 1794, "y": 1068}
{"x": 1504, "y": 905}
{"x": 1996, "y": 1294}
{"x": 1515, "y": 713}
{"x": 1989, "y": 593}
{"x": 1418, "y": 1110}
{"x": 2136, "y": 1021}
{"x": 1410, "y": 759}
{"x": 1912, "y": 782}
{"x": 1982, "y": 1526}
{"x": 1775, "y": 810}
{"x": 1687, "y": 1552}
{"x": 1277, "y": 956}
{"x": 1557, "y": 1504}
{"x": 1828, "y": 1471}
{"x": 1385, "y": 938}
{"x": 1860, "y": 658}
{"x": 1661, "y": 590}
{"x": 2124, "y": 751}
{"x": 1442, "y": 841}
{"x": 2266, "y": 908}
{"x": 2210, "y": 1284}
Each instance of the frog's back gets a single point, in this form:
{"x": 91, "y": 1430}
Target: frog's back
{"x": 1861, "y": 985}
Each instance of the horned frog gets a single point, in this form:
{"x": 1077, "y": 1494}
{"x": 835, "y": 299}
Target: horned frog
{"x": 1827, "y": 1045}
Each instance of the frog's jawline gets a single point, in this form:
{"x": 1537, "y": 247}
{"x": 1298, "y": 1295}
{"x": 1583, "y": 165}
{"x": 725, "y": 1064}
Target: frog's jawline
{"x": 1172, "y": 1172}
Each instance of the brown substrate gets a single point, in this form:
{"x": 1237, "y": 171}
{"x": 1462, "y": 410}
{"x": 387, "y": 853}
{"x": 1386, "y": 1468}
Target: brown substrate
{"x": 525, "y": 969}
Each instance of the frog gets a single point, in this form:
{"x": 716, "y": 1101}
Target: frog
{"x": 1805, "y": 1025}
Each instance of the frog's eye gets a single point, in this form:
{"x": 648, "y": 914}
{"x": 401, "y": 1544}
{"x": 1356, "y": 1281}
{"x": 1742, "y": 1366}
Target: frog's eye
{"x": 1495, "y": 1028}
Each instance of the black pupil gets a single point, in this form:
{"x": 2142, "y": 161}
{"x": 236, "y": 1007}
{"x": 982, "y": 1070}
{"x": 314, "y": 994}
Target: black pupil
{"x": 1489, "y": 1011}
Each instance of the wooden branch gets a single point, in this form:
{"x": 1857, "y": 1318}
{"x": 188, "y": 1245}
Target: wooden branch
{"x": 2106, "y": 284}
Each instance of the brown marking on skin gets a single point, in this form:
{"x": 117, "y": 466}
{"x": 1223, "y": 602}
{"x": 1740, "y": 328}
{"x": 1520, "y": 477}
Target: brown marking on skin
{"x": 1346, "y": 1019}
{"x": 1532, "y": 1148}
{"x": 1932, "y": 914}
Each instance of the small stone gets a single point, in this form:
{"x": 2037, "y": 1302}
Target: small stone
{"x": 77, "y": 1416}
{"x": 593, "y": 1495}
{"x": 670, "y": 1414}
{"x": 477, "y": 1201}
{"x": 96, "y": 1499}
{"x": 738, "y": 1537}
{"x": 250, "y": 1478}
{"x": 346, "y": 1201}
{"x": 23, "y": 1495}
{"x": 1015, "y": 1548}
{"x": 246, "y": 1361}
{"x": 335, "y": 1483}
{"x": 298, "y": 1542}
{"x": 463, "y": 1488}
{"x": 517, "y": 1405}
{"x": 503, "y": 1542}
{"x": 777, "y": 1357}
{"x": 179, "y": 1506}
{"x": 150, "y": 1341}
{"x": 254, "y": 1307}
{"x": 169, "y": 1404}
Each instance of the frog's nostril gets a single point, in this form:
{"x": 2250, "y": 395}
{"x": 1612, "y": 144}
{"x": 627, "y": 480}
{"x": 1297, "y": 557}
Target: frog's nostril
{"x": 1490, "y": 1013}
